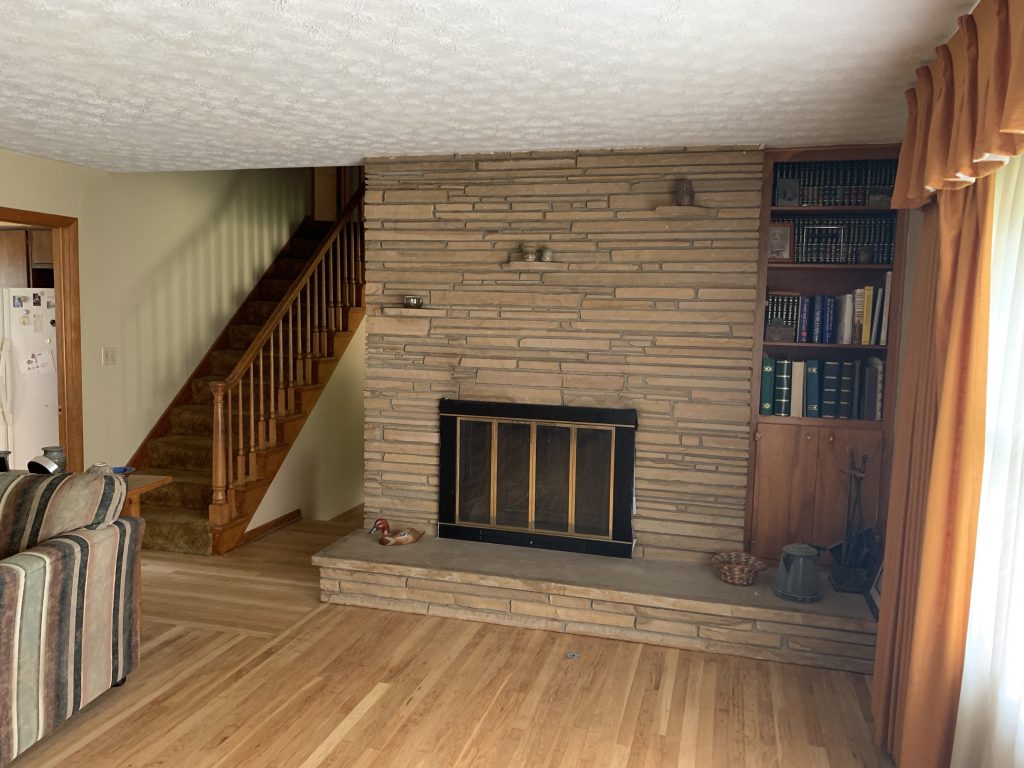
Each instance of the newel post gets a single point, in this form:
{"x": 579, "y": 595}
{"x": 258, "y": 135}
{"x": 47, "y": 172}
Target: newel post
{"x": 220, "y": 459}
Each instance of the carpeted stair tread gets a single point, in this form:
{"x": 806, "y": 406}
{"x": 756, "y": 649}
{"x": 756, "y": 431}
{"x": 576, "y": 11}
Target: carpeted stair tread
{"x": 272, "y": 289}
{"x": 241, "y": 335}
{"x": 195, "y": 419}
{"x": 201, "y": 393}
{"x": 190, "y": 489}
{"x": 258, "y": 310}
{"x": 190, "y": 452}
{"x": 287, "y": 269}
{"x": 176, "y": 529}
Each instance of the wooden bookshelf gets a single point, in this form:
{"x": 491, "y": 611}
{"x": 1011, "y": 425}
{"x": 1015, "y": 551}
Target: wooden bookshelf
{"x": 797, "y": 491}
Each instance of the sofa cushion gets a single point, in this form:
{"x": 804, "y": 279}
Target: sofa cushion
{"x": 35, "y": 508}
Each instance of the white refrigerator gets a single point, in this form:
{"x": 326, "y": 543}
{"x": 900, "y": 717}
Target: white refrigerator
{"x": 28, "y": 373}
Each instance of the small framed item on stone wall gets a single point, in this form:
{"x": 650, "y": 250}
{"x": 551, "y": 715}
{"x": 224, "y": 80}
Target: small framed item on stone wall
{"x": 780, "y": 241}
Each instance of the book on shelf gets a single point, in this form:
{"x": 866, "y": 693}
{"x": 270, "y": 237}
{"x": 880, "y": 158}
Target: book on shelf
{"x": 873, "y": 385}
{"x": 803, "y": 331}
{"x": 799, "y": 385}
{"x": 828, "y": 327}
{"x": 767, "y": 386}
{"x": 831, "y": 371}
{"x": 844, "y": 310}
{"x": 783, "y": 388}
{"x": 859, "y": 317}
{"x": 845, "y": 407}
{"x": 812, "y": 389}
{"x": 865, "y": 326}
{"x": 883, "y": 332}
{"x": 832, "y": 389}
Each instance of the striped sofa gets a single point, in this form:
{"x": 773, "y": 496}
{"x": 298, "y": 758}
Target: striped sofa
{"x": 69, "y": 589}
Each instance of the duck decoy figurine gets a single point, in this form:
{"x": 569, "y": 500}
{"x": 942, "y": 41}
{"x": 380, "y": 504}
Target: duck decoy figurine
{"x": 389, "y": 538}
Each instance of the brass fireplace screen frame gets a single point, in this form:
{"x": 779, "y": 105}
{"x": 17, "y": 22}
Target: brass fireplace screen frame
{"x": 573, "y": 428}
{"x": 482, "y": 523}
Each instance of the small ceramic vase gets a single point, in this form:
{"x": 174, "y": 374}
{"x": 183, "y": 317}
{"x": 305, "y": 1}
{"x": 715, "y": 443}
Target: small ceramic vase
{"x": 56, "y": 454}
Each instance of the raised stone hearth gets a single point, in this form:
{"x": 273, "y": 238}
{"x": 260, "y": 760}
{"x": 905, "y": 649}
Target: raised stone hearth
{"x": 682, "y": 605}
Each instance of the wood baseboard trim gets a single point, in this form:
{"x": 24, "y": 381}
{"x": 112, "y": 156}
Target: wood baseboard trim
{"x": 269, "y": 527}
{"x": 356, "y": 511}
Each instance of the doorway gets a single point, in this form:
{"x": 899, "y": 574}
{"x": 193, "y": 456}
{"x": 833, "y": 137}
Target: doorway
{"x": 62, "y": 241}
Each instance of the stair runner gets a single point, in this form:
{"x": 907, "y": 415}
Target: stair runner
{"x": 177, "y": 515}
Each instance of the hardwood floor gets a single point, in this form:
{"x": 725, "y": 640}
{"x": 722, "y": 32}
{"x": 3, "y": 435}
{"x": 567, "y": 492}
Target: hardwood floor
{"x": 243, "y": 666}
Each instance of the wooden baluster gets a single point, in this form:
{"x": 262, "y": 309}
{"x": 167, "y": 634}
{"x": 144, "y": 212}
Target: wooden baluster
{"x": 230, "y": 431}
{"x": 313, "y": 294}
{"x": 252, "y": 417}
{"x": 321, "y": 311}
{"x": 324, "y": 309}
{"x": 332, "y": 304}
{"x": 220, "y": 449}
{"x": 240, "y": 473}
{"x": 271, "y": 394}
{"x": 297, "y": 364}
{"x": 291, "y": 363}
{"x": 261, "y": 431}
{"x": 344, "y": 269}
{"x": 282, "y": 380}
{"x": 309, "y": 336}
{"x": 339, "y": 257}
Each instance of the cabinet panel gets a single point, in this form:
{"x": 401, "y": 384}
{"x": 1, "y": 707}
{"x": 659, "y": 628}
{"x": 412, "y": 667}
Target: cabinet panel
{"x": 41, "y": 247}
{"x": 784, "y": 487}
{"x": 13, "y": 258}
{"x": 834, "y": 448}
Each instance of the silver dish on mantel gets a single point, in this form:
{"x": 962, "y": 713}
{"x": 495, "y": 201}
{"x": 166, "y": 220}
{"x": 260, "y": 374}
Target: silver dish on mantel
{"x": 412, "y": 302}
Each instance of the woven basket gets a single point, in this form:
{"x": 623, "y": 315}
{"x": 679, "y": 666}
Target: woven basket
{"x": 738, "y": 568}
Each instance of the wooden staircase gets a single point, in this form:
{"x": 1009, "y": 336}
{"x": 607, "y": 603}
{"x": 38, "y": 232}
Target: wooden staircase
{"x": 228, "y": 430}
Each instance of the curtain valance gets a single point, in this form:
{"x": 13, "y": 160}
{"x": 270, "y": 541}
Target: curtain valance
{"x": 965, "y": 115}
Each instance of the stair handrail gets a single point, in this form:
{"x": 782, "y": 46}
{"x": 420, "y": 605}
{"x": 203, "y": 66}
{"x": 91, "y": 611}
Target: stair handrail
{"x": 340, "y": 278}
{"x": 286, "y": 301}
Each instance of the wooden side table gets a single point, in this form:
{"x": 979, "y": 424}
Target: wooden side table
{"x": 138, "y": 485}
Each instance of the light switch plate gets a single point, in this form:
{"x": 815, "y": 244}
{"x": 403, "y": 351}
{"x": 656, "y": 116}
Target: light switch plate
{"x": 109, "y": 355}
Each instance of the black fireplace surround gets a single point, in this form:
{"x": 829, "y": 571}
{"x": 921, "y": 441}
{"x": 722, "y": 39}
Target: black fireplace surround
{"x": 547, "y": 476}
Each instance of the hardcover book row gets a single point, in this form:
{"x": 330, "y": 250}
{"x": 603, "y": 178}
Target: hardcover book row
{"x": 852, "y": 183}
{"x": 827, "y": 389}
{"x": 859, "y": 317}
{"x": 841, "y": 240}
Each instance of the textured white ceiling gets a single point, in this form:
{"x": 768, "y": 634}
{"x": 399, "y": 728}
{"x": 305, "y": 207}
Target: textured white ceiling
{"x": 191, "y": 84}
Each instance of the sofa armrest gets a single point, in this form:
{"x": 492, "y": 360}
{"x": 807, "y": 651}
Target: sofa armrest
{"x": 69, "y": 627}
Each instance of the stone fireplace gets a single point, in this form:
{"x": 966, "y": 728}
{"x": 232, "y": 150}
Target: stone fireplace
{"x": 646, "y": 306}
{"x": 552, "y": 477}
{"x": 482, "y": 407}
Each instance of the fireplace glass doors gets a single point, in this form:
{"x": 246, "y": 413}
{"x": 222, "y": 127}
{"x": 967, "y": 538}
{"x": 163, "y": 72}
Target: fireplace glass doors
{"x": 543, "y": 476}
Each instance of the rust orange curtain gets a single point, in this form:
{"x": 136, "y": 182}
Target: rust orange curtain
{"x": 966, "y": 111}
{"x": 965, "y": 120}
{"x": 936, "y": 483}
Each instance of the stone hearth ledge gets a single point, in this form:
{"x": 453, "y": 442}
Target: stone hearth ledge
{"x": 670, "y": 604}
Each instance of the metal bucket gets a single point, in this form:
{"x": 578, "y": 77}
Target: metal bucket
{"x": 798, "y": 578}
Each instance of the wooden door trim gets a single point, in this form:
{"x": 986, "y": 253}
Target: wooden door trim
{"x": 69, "y": 338}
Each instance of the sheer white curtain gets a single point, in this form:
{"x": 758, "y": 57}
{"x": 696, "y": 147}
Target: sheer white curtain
{"x": 990, "y": 722}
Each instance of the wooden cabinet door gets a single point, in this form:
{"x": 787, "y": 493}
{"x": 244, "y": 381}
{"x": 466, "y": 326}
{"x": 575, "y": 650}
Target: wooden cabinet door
{"x": 835, "y": 443}
{"x": 41, "y": 247}
{"x": 785, "y": 470}
{"x": 13, "y": 258}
